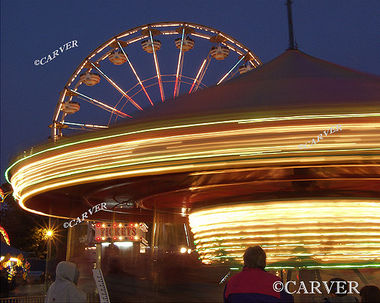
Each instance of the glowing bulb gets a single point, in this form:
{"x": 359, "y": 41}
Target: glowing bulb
{"x": 183, "y": 250}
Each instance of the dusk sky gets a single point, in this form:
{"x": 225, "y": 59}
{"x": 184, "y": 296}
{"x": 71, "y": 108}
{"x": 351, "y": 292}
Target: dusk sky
{"x": 344, "y": 32}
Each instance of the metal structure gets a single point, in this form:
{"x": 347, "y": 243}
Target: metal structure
{"x": 139, "y": 86}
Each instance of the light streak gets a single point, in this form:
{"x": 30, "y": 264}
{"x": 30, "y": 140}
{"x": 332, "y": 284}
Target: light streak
{"x": 103, "y": 105}
{"x": 179, "y": 65}
{"x": 60, "y": 103}
{"x": 117, "y": 87}
{"x": 172, "y": 153}
{"x": 199, "y": 35}
{"x": 85, "y": 125}
{"x": 169, "y": 32}
{"x": 187, "y": 235}
{"x": 203, "y": 73}
{"x": 157, "y": 67}
{"x": 5, "y": 235}
{"x": 99, "y": 164}
{"x": 199, "y": 72}
{"x": 226, "y": 75}
{"x": 134, "y": 71}
{"x": 184, "y": 127}
{"x": 330, "y": 230}
{"x": 135, "y": 39}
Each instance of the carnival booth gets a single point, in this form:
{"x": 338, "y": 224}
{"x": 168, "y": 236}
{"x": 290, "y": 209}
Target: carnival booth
{"x": 12, "y": 259}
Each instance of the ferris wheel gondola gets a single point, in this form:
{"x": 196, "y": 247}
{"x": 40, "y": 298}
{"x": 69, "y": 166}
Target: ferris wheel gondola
{"x": 148, "y": 85}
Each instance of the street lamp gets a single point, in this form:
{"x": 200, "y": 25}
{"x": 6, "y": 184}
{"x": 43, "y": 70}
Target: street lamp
{"x": 49, "y": 235}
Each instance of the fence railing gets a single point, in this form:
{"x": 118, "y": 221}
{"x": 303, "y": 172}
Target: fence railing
{"x": 27, "y": 299}
{"x": 41, "y": 299}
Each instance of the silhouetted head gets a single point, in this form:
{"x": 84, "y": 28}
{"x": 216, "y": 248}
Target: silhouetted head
{"x": 255, "y": 257}
{"x": 67, "y": 271}
{"x": 370, "y": 293}
{"x": 343, "y": 287}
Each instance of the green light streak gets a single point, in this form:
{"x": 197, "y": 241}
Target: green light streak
{"x": 327, "y": 266}
{"x": 257, "y": 120}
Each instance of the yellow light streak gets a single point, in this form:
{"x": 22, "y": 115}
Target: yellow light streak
{"x": 334, "y": 230}
{"x": 193, "y": 147}
{"x": 184, "y": 126}
{"x": 202, "y": 146}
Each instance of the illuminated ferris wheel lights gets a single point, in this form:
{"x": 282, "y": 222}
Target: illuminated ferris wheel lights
{"x": 102, "y": 105}
{"x": 116, "y": 87}
{"x": 145, "y": 38}
{"x": 180, "y": 45}
{"x": 229, "y": 72}
{"x": 134, "y": 71}
{"x": 154, "y": 52}
{"x": 198, "y": 74}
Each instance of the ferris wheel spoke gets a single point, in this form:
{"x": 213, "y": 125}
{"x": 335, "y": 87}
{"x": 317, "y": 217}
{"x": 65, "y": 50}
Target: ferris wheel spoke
{"x": 157, "y": 67}
{"x": 180, "y": 75}
{"x": 84, "y": 125}
{"x": 226, "y": 75}
{"x": 116, "y": 86}
{"x": 142, "y": 86}
{"x": 101, "y": 105}
{"x": 179, "y": 65}
{"x": 201, "y": 73}
{"x": 136, "y": 75}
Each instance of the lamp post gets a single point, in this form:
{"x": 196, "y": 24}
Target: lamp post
{"x": 49, "y": 234}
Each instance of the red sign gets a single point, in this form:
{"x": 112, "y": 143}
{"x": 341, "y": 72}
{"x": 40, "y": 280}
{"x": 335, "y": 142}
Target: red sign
{"x": 120, "y": 232}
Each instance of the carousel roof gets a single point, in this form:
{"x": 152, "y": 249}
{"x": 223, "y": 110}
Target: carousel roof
{"x": 292, "y": 80}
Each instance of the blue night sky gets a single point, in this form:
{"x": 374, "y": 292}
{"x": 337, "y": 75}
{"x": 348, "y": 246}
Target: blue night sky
{"x": 343, "y": 32}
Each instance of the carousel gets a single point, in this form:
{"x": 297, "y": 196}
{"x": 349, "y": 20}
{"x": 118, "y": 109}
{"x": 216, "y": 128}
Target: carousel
{"x": 231, "y": 152}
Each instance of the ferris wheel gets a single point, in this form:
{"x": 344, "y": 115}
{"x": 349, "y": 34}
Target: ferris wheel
{"x": 144, "y": 66}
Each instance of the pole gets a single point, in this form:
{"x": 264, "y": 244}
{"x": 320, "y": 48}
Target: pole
{"x": 49, "y": 252}
{"x": 290, "y": 25}
{"x": 68, "y": 244}
{"x": 48, "y": 255}
{"x": 46, "y": 267}
{"x": 47, "y": 263}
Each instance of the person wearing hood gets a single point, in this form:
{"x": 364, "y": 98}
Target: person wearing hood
{"x": 64, "y": 288}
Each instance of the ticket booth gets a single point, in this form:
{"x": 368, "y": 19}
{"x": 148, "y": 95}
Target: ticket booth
{"x": 126, "y": 239}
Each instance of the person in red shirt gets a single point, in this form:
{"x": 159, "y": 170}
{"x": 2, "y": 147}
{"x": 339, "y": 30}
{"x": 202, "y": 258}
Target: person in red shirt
{"x": 253, "y": 284}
